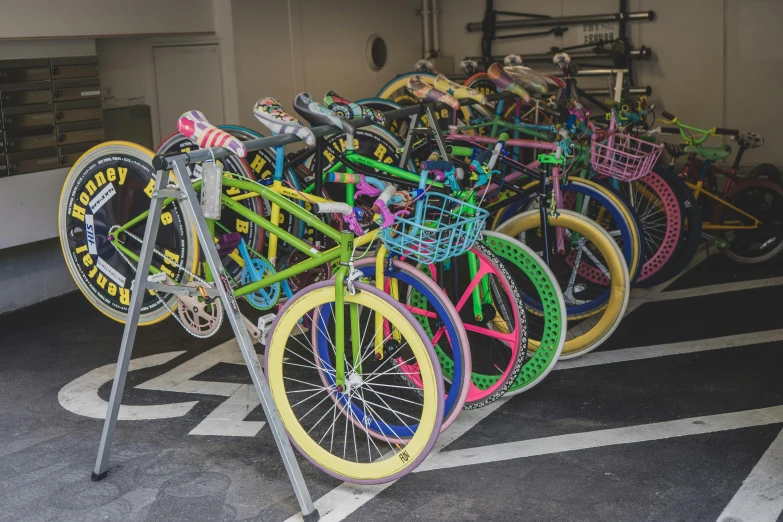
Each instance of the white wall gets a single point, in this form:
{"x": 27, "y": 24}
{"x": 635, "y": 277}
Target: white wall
{"x": 317, "y": 46}
{"x": 92, "y": 18}
{"x": 716, "y": 62}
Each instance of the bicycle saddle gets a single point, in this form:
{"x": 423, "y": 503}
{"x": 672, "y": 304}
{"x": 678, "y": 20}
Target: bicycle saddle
{"x": 427, "y": 93}
{"x": 195, "y": 127}
{"x": 709, "y": 153}
{"x": 750, "y": 140}
{"x": 350, "y": 110}
{"x": 505, "y": 82}
{"x": 512, "y": 59}
{"x": 269, "y": 112}
{"x": 317, "y": 114}
{"x": 527, "y": 78}
{"x": 457, "y": 90}
{"x": 563, "y": 61}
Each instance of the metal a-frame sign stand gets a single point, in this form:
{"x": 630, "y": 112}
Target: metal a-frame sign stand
{"x": 186, "y": 194}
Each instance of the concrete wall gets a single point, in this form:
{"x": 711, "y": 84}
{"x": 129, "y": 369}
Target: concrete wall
{"x": 91, "y": 18}
{"x": 271, "y": 48}
{"x": 31, "y": 273}
{"x": 716, "y": 63}
{"x": 298, "y": 45}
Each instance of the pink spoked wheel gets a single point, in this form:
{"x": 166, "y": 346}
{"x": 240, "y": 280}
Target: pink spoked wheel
{"x": 656, "y": 204}
{"x": 493, "y": 314}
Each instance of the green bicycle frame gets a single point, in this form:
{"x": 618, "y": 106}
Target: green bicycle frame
{"x": 343, "y": 251}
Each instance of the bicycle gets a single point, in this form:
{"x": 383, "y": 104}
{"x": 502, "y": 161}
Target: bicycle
{"x": 744, "y": 217}
{"x": 352, "y": 304}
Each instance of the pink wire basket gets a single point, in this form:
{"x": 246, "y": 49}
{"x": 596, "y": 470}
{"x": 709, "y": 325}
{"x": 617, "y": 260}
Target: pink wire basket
{"x": 624, "y": 157}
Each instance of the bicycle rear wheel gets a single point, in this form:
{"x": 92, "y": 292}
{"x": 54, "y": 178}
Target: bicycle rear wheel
{"x": 374, "y": 428}
{"x": 763, "y": 200}
{"x": 586, "y": 330}
{"x": 110, "y": 185}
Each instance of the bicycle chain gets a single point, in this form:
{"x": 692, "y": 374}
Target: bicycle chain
{"x": 174, "y": 314}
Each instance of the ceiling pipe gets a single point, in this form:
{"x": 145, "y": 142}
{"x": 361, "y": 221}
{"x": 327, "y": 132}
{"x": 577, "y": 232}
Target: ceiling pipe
{"x": 425, "y": 23}
{"x": 435, "y": 33}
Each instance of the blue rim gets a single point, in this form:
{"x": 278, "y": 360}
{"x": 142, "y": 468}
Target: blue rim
{"x": 323, "y": 347}
{"x": 623, "y": 225}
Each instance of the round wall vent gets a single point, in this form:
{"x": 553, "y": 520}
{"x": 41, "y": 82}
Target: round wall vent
{"x": 376, "y": 52}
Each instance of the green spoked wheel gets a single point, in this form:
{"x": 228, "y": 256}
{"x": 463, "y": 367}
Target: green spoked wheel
{"x": 544, "y": 303}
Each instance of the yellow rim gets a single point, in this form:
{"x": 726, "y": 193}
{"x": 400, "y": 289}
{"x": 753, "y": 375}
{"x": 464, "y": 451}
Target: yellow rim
{"x": 637, "y": 251}
{"x": 618, "y": 271}
{"x": 75, "y": 168}
{"x": 277, "y": 347}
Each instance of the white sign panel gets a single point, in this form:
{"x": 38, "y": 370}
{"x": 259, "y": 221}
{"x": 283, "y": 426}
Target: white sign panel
{"x": 597, "y": 32}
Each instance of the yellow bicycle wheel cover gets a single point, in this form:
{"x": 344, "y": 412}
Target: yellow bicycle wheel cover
{"x": 618, "y": 271}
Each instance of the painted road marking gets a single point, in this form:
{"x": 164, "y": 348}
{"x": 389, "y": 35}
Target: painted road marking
{"x": 599, "y": 438}
{"x": 662, "y": 350}
{"x": 80, "y": 396}
{"x": 760, "y": 499}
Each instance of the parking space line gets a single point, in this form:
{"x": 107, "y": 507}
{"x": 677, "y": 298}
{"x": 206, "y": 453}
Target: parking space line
{"x": 760, "y": 498}
{"x": 600, "y": 438}
{"x": 662, "y": 350}
{"x": 720, "y": 288}
{"x": 347, "y": 497}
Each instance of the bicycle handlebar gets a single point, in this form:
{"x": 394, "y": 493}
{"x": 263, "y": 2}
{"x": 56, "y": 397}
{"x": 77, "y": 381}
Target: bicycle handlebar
{"x": 726, "y": 132}
{"x": 668, "y": 115}
{"x": 333, "y": 207}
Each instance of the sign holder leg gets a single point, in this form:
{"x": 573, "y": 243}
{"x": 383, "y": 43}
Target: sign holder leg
{"x": 191, "y": 206}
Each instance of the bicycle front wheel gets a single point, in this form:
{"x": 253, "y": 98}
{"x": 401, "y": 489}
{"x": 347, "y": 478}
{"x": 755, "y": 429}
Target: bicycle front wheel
{"x": 374, "y": 427}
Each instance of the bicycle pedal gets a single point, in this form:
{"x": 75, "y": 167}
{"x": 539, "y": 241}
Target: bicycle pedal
{"x": 264, "y": 324}
{"x": 160, "y": 277}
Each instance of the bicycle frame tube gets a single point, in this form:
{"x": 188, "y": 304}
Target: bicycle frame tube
{"x": 698, "y": 190}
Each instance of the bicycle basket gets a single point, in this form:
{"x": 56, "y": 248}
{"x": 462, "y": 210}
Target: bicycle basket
{"x": 446, "y": 227}
{"x": 624, "y": 157}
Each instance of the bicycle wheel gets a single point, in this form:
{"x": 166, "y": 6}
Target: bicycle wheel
{"x": 690, "y": 237}
{"x": 230, "y": 221}
{"x": 763, "y": 200}
{"x": 544, "y": 304}
{"x": 108, "y": 186}
{"x": 659, "y": 209}
{"x": 441, "y": 322}
{"x": 583, "y": 238}
{"x": 606, "y": 208}
{"x": 494, "y": 320}
{"x": 317, "y": 413}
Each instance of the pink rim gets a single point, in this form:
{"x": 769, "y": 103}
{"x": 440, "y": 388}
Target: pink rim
{"x": 475, "y": 394}
{"x": 673, "y": 230}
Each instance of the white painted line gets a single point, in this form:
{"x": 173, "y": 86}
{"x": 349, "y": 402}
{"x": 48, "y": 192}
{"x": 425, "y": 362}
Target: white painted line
{"x": 227, "y": 420}
{"x": 642, "y": 295}
{"x": 760, "y": 499}
{"x": 80, "y": 396}
{"x": 721, "y": 288}
{"x": 600, "y": 438}
{"x": 347, "y": 498}
{"x": 662, "y": 350}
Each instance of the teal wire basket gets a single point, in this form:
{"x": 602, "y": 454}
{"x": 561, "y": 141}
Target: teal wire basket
{"x": 442, "y": 227}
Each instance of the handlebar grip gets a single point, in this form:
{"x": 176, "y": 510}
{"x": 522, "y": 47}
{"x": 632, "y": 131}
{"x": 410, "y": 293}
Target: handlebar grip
{"x": 484, "y": 156}
{"x": 457, "y": 150}
{"x": 670, "y": 130}
{"x": 333, "y": 207}
{"x": 387, "y": 193}
{"x": 441, "y": 165}
{"x": 668, "y": 115}
{"x": 726, "y": 132}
